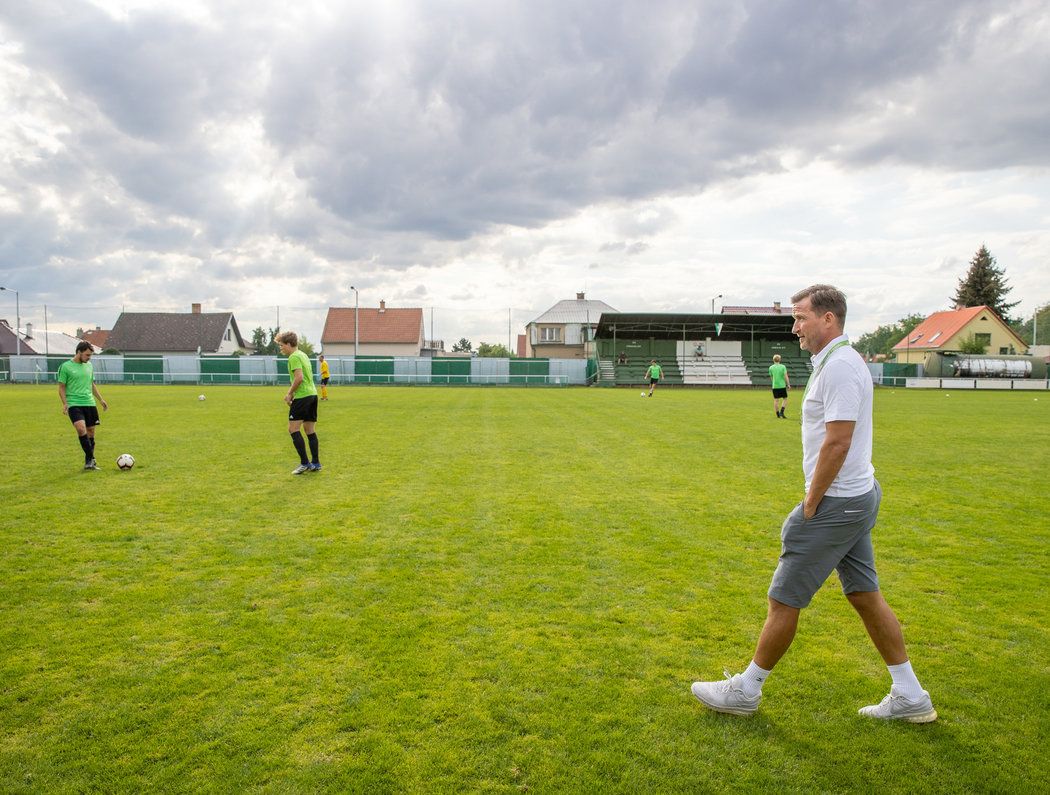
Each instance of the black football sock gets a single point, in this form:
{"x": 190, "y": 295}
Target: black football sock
{"x": 89, "y": 449}
{"x": 312, "y": 439}
{"x": 300, "y": 447}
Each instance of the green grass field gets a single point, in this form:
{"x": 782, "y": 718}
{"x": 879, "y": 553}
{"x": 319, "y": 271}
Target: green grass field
{"x": 505, "y": 590}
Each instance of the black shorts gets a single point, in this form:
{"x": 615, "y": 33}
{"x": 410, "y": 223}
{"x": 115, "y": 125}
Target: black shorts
{"x": 89, "y": 414}
{"x": 780, "y": 391}
{"x": 324, "y": 382}
{"x": 654, "y": 381}
{"x": 303, "y": 409}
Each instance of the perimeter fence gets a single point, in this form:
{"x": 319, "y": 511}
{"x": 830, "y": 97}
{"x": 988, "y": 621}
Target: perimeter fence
{"x": 272, "y": 370}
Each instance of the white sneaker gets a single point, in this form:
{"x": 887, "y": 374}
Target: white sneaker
{"x": 301, "y": 469}
{"x": 897, "y": 707}
{"x": 726, "y": 696}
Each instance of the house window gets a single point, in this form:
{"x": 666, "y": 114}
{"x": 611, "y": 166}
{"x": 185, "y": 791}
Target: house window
{"x": 228, "y": 335}
{"x": 550, "y": 334}
{"x": 935, "y": 336}
{"x": 1003, "y": 350}
{"x": 983, "y": 339}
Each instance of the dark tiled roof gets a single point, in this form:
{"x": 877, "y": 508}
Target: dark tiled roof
{"x": 404, "y": 326}
{"x": 9, "y": 343}
{"x": 171, "y": 331}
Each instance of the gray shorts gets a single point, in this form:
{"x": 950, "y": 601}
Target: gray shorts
{"x": 837, "y": 537}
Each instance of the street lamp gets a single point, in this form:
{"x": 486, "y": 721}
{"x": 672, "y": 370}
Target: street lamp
{"x": 18, "y": 321}
{"x": 357, "y": 305}
{"x": 713, "y": 303}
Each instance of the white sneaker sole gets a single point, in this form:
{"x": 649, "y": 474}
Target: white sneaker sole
{"x": 726, "y": 710}
{"x": 919, "y": 717}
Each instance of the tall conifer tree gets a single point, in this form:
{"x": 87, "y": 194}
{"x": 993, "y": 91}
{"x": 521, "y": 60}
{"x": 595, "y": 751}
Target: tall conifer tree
{"x": 984, "y": 285}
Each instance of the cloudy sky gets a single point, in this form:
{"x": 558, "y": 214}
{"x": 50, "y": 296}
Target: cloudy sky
{"x": 486, "y": 159}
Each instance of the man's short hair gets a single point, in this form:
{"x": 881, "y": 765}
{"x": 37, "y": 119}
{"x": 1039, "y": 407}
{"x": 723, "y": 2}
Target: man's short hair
{"x": 288, "y": 338}
{"x": 776, "y": 357}
{"x": 83, "y": 346}
{"x": 824, "y": 298}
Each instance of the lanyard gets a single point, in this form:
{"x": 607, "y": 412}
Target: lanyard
{"x": 820, "y": 367}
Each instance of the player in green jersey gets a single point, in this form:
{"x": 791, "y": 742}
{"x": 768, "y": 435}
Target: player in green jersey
{"x": 77, "y": 391}
{"x": 302, "y": 402}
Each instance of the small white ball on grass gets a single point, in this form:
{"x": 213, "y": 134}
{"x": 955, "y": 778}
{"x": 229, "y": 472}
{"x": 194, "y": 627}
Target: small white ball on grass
{"x": 200, "y": 397}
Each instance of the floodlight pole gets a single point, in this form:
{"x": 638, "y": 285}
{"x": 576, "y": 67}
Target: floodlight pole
{"x": 357, "y": 306}
{"x": 18, "y": 320}
{"x": 713, "y": 303}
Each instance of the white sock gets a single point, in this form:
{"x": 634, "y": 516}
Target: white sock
{"x": 905, "y": 681}
{"x": 752, "y": 679}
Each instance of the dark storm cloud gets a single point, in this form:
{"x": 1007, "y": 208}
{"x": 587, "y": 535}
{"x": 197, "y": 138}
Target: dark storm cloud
{"x": 438, "y": 120}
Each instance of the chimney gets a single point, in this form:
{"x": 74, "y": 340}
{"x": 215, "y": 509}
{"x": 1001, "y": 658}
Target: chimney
{"x": 29, "y": 331}
{"x": 579, "y": 296}
{"x": 776, "y": 307}
{"x": 382, "y": 306}
{"x": 196, "y": 309}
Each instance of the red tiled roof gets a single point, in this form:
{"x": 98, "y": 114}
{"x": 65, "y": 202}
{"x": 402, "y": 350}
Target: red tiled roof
{"x": 946, "y": 325}
{"x": 403, "y": 326}
{"x": 96, "y": 336}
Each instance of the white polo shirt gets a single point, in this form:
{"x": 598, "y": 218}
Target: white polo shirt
{"x": 840, "y": 389}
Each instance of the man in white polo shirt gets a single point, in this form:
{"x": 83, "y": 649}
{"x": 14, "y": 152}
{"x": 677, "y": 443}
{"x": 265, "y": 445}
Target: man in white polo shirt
{"x": 831, "y": 527}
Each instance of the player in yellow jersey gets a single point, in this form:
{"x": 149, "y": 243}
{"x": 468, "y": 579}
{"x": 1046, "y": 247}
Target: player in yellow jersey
{"x": 325, "y": 375}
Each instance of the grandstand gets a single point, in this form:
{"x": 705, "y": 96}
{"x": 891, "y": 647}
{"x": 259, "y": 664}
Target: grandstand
{"x": 728, "y": 349}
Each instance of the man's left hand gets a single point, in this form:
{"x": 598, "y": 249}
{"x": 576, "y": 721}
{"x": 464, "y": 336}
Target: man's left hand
{"x": 809, "y": 510}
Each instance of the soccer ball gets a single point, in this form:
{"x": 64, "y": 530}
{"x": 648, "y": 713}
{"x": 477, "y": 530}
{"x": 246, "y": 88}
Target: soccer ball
{"x": 125, "y": 461}
{"x": 200, "y": 397}
{"x": 643, "y": 394}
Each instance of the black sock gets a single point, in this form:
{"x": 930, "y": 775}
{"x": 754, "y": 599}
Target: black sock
{"x": 312, "y": 439}
{"x": 300, "y": 447}
{"x": 88, "y": 447}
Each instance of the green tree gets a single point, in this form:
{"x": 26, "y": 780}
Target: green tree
{"x": 970, "y": 344}
{"x": 494, "y": 351}
{"x": 984, "y": 285}
{"x": 463, "y": 346}
{"x": 305, "y": 345}
{"x": 263, "y": 341}
{"x": 883, "y": 338}
{"x": 1023, "y": 328}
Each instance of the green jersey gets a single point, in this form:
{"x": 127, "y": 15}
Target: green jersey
{"x": 300, "y": 361}
{"x": 77, "y": 376}
{"x": 655, "y": 371}
{"x": 778, "y": 374}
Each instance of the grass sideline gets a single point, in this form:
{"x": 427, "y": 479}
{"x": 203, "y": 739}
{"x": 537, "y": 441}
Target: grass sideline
{"x": 504, "y": 590}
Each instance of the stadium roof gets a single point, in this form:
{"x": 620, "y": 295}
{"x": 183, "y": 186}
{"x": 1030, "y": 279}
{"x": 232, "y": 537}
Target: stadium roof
{"x": 667, "y": 326}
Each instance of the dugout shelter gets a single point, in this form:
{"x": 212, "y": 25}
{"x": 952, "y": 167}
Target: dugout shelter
{"x": 723, "y": 349}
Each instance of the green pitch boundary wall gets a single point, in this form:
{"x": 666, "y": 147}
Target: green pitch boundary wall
{"x": 271, "y": 370}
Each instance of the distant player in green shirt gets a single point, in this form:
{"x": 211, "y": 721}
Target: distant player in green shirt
{"x": 778, "y": 375}
{"x": 77, "y": 391}
{"x": 654, "y": 374}
{"x": 302, "y": 402}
